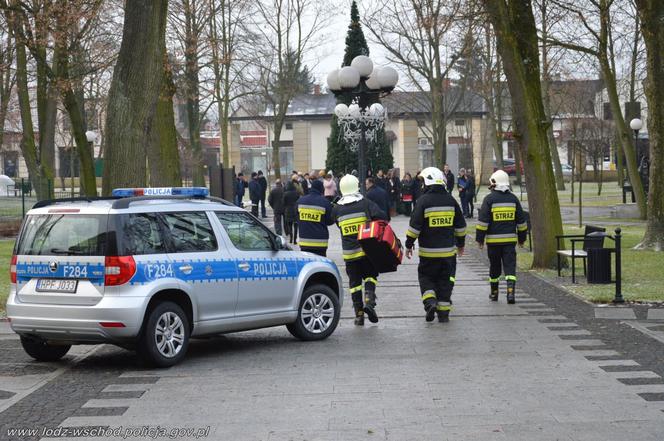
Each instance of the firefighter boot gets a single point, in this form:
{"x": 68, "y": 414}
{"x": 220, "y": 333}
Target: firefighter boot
{"x": 430, "y": 308}
{"x": 510, "y": 292}
{"x": 359, "y": 314}
{"x": 494, "y": 292}
{"x": 370, "y": 306}
{"x": 443, "y": 316}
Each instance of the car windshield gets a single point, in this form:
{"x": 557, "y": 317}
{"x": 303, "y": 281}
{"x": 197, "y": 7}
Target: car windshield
{"x": 63, "y": 235}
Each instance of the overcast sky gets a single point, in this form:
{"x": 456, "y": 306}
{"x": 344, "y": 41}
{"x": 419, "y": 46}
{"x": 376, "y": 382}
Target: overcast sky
{"x": 329, "y": 56}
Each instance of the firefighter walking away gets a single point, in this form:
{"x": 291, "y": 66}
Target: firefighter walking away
{"x": 350, "y": 214}
{"x": 501, "y": 224}
{"x": 314, "y": 215}
{"x": 438, "y": 224}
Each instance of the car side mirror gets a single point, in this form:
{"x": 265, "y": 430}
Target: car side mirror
{"x": 281, "y": 243}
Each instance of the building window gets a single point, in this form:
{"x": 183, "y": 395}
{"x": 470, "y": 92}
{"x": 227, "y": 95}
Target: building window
{"x": 459, "y": 122}
{"x": 420, "y": 123}
{"x": 424, "y": 141}
{"x": 289, "y": 126}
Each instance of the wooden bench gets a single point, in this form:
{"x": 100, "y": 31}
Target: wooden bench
{"x": 588, "y": 241}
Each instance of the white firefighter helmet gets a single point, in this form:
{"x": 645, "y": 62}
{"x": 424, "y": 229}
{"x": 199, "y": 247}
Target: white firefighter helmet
{"x": 349, "y": 184}
{"x": 433, "y": 176}
{"x": 499, "y": 179}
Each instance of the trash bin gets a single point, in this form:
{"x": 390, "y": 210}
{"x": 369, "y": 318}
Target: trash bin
{"x": 599, "y": 265}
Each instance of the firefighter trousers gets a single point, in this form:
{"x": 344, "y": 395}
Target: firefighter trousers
{"x": 437, "y": 277}
{"x": 502, "y": 259}
{"x": 361, "y": 270}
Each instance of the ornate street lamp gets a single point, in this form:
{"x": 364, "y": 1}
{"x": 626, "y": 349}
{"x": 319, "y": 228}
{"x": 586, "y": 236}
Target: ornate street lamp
{"x": 360, "y": 122}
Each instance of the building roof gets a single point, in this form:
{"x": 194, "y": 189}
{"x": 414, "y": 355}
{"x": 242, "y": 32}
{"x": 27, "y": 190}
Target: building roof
{"x": 398, "y": 105}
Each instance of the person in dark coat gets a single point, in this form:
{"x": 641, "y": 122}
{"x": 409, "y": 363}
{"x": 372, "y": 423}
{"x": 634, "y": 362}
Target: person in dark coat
{"x": 394, "y": 186}
{"x": 380, "y": 180}
{"x": 471, "y": 189}
{"x": 379, "y": 196}
{"x": 407, "y": 185}
{"x": 290, "y": 211}
{"x": 449, "y": 178}
{"x": 416, "y": 188}
{"x": 462, "y": 185}
{"x": 276, "y": 201}
{"x": 240, "y": 185}
{"x": 254, "y": 193}
{"x": 263, "y": 183}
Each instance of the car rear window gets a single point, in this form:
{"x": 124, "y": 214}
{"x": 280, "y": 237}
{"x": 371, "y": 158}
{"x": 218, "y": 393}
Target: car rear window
{"x": 64, "y": 235}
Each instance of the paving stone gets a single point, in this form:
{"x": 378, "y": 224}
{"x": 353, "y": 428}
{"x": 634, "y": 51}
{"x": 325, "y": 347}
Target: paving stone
{"x": 100, "y": 411}
{"x": 615, "y": 313}
{"x": 656, "y": 314}
{"x": 641, "y": 381}
{"x": 658, "y": 396}
{"x": 121, "y": 394}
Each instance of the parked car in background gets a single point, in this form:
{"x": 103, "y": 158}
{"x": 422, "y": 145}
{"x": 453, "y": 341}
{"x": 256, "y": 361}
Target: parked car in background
{"x": 509, "y": 166}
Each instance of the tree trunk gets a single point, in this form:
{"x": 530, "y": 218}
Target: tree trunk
{"x": 163, "y": 154}
{"x": 137, "y": 81}
{"x": 546, "y": 98}
{"x": 626, "y": 138}
{"x": 620, "y": 164}
{"x": 278, "y": 125}
{"x": 28, "y": 145}
{"x": 516, "y": 34}
{"x": 75, "y": 110}
{"x": 652, "y": 16}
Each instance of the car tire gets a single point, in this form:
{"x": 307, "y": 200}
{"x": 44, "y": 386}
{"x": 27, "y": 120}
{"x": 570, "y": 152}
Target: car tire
{"x": 42, "y": 351}
{"x": 165, "y": 337}
{"x": 317, "y": 315}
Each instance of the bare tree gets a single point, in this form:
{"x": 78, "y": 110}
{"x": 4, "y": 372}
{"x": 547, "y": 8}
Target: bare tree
{"x": 230, "y": 42}
{"x": 425, "y": 37}
{"x": 138, "y": 81}
{"x": 514, "y": 24}
{"x": 7, "y": 73}
{"x": 652, "y": 16}
{"x": 188, "y": 20}
{"x": 546, "y": 20}
{"x": 287, "y": 30}
{"x": 593, "y": 35}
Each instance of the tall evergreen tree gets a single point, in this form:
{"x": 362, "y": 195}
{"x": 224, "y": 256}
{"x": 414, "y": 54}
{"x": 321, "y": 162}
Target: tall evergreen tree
{"x": 339, "y": 156}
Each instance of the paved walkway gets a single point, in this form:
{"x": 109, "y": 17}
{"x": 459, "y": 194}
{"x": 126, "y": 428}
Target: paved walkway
{"x": 495, "y": 372}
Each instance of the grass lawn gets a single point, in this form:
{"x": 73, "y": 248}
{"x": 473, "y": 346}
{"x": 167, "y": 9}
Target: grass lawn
{"x": 611, "y": 194}
{"x": 6, "y": 247}
{"x": 642, "y": 275}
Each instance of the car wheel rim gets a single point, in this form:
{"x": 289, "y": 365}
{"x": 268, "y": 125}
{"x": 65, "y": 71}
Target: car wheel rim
{"x": 317, "y": 313}
{"x": 169, "y": 334}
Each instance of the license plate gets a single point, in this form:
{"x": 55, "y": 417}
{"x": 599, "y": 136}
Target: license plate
{"x": 57, "y": 285}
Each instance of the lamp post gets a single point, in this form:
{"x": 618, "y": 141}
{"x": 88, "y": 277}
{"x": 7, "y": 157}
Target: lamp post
{"x": 636, "y": 124}
{"x": 360, "y": 84}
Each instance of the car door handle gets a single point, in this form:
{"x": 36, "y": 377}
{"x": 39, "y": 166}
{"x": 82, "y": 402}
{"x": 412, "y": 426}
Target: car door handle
{"x": 244, "y": 266}
{"x": 187, "y": 269}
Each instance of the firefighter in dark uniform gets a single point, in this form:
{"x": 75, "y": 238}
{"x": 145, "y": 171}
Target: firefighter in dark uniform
{"x": 314, "y": 214}
{"x": 438, "y": 223}
{"x": 350, "y": 214}
{"x": 501, "y": 224}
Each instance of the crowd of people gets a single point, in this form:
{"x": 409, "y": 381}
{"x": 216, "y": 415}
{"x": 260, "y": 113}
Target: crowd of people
{"x": 392, "y": 193}
{"x": 311, "y": 202}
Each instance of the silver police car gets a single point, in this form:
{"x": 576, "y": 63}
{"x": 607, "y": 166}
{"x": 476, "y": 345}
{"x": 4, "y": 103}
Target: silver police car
{"x": 151, "y": 268}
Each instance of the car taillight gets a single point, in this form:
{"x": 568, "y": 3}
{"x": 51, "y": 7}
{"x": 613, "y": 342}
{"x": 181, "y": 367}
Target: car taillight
{"x": 119, "y": 270}
{"x": 12, "y": 269}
